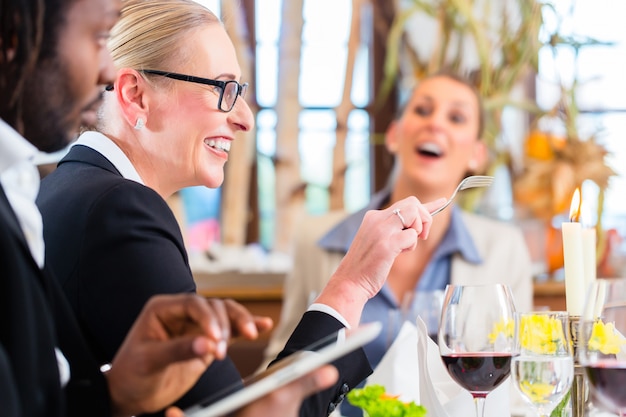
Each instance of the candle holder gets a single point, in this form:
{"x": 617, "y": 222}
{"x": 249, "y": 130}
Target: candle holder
{"x": 580, "y": 389}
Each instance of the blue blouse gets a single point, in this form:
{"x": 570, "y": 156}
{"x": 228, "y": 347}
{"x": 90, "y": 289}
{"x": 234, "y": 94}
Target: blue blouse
{"x": 384, "y": 306}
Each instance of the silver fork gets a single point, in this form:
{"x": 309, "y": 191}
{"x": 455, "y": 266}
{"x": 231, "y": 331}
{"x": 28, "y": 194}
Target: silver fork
{"x": 468, "y": 182}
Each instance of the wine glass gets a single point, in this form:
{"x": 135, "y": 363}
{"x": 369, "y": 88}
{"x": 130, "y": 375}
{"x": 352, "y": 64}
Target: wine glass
{"x": 477, "y": 337}
{"x": 544, "y": 370}
{"x": 602, "y": 345}
{"x": 427, "y": 306}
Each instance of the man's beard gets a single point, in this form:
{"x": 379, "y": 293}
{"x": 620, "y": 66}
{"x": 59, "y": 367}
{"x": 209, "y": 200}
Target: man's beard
{"x": 47, "y": 108}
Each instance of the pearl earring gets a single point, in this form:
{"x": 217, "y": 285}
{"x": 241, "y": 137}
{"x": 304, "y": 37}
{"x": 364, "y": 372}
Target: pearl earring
{"x": 139, "y": 124}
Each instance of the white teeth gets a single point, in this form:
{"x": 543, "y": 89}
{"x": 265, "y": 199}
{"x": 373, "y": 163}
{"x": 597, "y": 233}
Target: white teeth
{"x": 223, "y": 145}
{"x": 430, "y": 148}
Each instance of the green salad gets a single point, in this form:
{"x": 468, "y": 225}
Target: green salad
{"x": 376, "y": 403}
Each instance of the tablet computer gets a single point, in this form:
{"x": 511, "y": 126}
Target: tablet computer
{"x": 288, "y": 369}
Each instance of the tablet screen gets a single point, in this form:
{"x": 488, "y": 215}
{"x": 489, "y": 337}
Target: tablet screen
{"x": 288, "y": 369}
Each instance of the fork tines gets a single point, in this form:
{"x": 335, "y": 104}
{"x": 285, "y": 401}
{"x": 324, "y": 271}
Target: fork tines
{"x": 477, "y": 181}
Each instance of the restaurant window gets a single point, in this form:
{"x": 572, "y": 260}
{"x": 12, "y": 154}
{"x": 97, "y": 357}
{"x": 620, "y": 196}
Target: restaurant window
{"x": 321, "y": 82}
{"x": 601, "y": 96}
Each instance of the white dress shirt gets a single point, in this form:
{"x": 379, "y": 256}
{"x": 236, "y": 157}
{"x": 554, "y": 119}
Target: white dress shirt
{"x": 20, "y": 180}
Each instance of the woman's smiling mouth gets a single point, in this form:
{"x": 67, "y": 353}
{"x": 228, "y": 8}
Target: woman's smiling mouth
{"x": 430, "y": 149}
{"x": 219, "y": 144}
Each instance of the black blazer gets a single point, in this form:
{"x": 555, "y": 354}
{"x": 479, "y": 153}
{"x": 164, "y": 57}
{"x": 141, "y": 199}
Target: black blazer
{"x": 34, "y": 319}
{"x": 113, "y": 243}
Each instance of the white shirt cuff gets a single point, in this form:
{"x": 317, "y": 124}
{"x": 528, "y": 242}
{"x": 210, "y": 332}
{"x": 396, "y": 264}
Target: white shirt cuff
{"x": 330, "y": 311}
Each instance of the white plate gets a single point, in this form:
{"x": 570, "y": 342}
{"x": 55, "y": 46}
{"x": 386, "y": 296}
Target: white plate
{"x": 287, "y": 370}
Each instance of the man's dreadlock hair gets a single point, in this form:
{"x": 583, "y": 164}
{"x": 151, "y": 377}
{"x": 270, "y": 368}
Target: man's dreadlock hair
{"x": 21, "y": 31}
{"x": 28, "y": 34}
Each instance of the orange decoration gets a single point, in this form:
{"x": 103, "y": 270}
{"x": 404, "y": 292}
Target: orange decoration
{"x": 554, "y": 249}
{"x": 539, "y": 146}
{"x": 553, "y": 167}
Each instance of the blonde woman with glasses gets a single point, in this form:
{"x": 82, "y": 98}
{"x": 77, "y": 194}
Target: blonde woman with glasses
{"x": 167, "y": 122}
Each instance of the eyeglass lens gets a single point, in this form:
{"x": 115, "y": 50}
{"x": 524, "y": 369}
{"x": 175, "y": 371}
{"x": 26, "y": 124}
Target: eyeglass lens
{"x": 231, "y": 91}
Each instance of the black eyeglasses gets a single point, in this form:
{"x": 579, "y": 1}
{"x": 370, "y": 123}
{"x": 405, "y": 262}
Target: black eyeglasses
{"x": 229, "y": 90}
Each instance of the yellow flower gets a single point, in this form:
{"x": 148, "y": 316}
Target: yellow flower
{"x": 536, "y": 392}
{"x": 605, "y": 338}
{"x": 502, "y": 329}
{"x": 541, "y": 334}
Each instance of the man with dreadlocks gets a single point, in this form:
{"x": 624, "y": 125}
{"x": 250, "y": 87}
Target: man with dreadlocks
{"x": 53, "y": 64}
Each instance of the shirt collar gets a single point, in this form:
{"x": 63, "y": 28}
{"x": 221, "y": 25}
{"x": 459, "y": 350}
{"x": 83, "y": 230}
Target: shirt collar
{"x": 13, "y": 147}
{"x": 456, "y": 240}
{"x": 109, "y": 149}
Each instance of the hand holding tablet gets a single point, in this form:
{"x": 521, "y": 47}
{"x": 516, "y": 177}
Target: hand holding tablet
{"x": 287, "y": 370}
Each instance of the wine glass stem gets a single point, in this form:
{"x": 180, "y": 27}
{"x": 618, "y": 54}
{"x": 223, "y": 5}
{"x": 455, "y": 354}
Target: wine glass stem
{"x": 480, "y": 406}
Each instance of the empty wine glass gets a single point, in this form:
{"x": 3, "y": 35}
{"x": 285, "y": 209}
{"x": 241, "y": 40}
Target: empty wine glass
{"x": 427, "y": 306}
{"x": 544, "y": 370}
{"x": 477, "y": 337}
{"x": 602, "y": 345}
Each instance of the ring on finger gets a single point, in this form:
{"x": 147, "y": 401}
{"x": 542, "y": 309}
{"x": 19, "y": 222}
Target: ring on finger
{"x": 397, "y": 213}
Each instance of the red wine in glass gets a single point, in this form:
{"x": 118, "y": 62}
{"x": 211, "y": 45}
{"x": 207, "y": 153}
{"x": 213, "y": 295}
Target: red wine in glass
{"x": 477, "y": 337}
{"x": 602, "y": 348}
{"x": 478, "y": 373}
{"x": 607, "y": 379}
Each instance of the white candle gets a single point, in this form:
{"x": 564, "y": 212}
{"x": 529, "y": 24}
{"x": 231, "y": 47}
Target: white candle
{"x": 589, "y": 255}
{"x": 574, "y": 267}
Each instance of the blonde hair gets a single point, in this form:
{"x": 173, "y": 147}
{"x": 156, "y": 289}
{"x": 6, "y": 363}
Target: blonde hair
{"x": 151, "y": 34}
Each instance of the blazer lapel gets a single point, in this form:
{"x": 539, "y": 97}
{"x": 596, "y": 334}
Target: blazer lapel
{"x": 6, "y": 212}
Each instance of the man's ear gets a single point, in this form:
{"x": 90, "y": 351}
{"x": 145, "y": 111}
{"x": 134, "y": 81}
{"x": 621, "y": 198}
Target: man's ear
{"x": 130, "y": 88}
